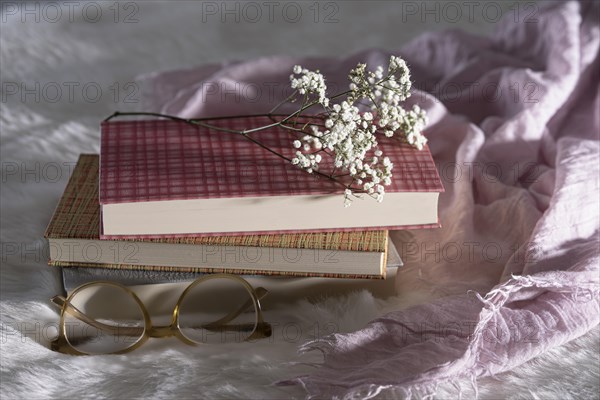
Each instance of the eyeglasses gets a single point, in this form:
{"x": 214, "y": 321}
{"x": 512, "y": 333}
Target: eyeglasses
{"x": 108, "y": 318}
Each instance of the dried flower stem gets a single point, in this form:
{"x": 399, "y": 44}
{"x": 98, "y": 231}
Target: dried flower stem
{"x": 244, "y": 133}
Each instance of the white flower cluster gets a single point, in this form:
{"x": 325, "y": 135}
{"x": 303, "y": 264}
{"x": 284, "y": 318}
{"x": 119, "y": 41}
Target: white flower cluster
{"x": 385, "y": 93}
{"x": 309, "y": 82}
{"x": 349, "y": 136}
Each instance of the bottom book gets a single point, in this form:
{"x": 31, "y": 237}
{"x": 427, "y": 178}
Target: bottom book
{"x": 165, "y": 287}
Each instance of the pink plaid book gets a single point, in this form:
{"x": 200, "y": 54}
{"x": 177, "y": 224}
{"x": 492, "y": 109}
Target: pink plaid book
{"x": 166, "y": 178}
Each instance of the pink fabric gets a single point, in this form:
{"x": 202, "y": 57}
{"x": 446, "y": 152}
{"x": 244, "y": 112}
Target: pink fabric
{"x": 514, "y": 131}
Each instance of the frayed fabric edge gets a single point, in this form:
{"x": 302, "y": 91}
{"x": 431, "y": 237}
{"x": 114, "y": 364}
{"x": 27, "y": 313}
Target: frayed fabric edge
{"x": 493, "y": 302}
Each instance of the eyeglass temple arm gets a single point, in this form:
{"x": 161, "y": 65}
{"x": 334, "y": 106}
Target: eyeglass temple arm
{"x": 260, "y": 294}
{"x": 74, "y": 311}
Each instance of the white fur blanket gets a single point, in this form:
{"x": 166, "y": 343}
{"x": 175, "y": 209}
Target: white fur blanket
{"x": 60, "y": 77}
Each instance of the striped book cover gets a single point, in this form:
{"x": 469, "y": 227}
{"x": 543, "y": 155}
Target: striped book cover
{"x": 153, "y": 162}
{"x": 77, "y": 217}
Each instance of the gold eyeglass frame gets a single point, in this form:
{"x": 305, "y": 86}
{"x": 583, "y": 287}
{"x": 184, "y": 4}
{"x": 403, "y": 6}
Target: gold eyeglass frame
{"x": 61, "y": 344}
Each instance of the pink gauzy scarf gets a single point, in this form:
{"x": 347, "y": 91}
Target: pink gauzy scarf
{"x": 514, "y": 128}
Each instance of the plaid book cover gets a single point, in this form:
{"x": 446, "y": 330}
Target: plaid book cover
{"x": 155, "y": 160}
{"x": 78, "y": 216}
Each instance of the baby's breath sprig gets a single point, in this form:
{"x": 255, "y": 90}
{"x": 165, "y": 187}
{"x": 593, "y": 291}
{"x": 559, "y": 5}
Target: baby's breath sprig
{"x": 348, "y": 135}
{"x": 341, "y": 133}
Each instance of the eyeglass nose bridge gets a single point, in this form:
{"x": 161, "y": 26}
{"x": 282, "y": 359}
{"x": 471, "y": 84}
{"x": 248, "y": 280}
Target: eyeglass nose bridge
{"x": 161, "y": 331}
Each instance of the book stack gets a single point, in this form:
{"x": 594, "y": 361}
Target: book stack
{"x": 167, "y": 201}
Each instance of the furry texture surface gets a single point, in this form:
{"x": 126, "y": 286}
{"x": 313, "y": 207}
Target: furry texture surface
{"x": 41, "y": 138}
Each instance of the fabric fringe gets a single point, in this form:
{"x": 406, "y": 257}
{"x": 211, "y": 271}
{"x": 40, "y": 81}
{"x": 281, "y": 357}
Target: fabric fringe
{"x": 493, "y": 302}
